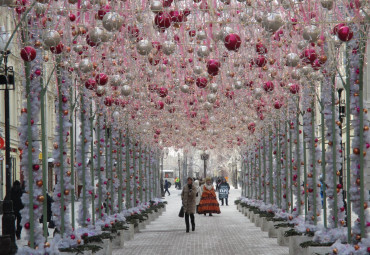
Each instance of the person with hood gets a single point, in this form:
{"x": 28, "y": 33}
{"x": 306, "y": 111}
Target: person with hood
{"x": 208, "y": 201}
{"x": 223, "y": 192}
{"x": 198, "y": 195}
{"x": 16, "y": 193}
{"x": 166, "y": 185}
{"x": 188, "y": 196}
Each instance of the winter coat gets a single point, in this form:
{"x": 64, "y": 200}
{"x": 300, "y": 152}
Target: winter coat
{"x": 16, "y": 193}
{"x": 188, "y": 197}
{"x": 166, "y": 184}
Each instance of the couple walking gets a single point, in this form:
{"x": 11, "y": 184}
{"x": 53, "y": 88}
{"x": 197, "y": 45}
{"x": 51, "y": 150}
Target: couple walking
{"x": 206, "y": 196}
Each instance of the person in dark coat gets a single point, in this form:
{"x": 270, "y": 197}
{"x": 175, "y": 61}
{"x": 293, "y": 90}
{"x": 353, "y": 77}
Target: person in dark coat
{"x": 166, "y": 186}
{"x": 188, "y": 197}
{"x": 223, "y": 191}
{"x": 49, "y": 200}
{"x": 16, "y": 193}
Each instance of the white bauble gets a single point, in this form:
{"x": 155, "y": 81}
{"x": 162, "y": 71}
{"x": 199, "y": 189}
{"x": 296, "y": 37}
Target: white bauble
{"x": 168, "y": 47}
{"x": 115, "y": 80}
{"x": 185, "y": 88}
{"x": 213, "y": 87}
{"x": 292, "y": 59}
{"x": 112, "y": 21}
{"x": 144, "y": 47}
{"x": 272, "y": 22}
{"x": 203, "y": 51}
{"x": 126, "y": 90}
{"x": 201, "y": 35}
{"x": 156, "y": 6}
{"x": 85, "y": 66}
{"x": 211, "y": 98}
{"x": 311, "y": 33}
{"x": 51, "y": 38}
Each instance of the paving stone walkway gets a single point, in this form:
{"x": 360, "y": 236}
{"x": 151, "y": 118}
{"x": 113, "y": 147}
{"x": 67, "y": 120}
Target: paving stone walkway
{"x": 229, "y": 233}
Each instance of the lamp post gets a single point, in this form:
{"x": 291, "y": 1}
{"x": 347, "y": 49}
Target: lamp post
{"x": 204, "y": 156}
{"x": 6, "y": 84}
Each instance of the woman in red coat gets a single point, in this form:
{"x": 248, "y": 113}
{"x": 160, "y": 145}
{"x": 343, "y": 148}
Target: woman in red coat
{"x": 208, "y": 202}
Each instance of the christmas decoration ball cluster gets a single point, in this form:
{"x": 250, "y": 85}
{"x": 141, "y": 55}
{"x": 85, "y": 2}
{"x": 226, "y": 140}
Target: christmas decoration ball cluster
{"x": 193, "y": 75}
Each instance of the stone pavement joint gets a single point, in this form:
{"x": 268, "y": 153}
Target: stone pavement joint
{"x": 228, "y": 233}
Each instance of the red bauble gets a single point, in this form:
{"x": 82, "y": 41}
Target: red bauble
{"x": 57, "y": 49}
{"x": 337, "y": 27}
{"x": 167, "y": 3}
{"x": 213, "y": 66}
{"x": 162, "y": 20}
{"x": 277, "y": 105}
{"x": 294, "y": 88}
{"x": 72, "y": 17}
{"x": 162, "y": 92}
{"x": 133, "y": 31}
{"x": 90, "y": 84}
{"x": 260, "y": 48}
{"x": 28, "y": 53}
{"x": 176, "y": 16}
{"x": 192, "y": 33}
{"x": 36, "y": 167}
{"x": 202, "y": 82}
{"x": 309, "y": 55}
{"x": 101, "y": 79}
{"x": 268, "y": 86}
{"x": 27, "y": 225}
{"x": 345, "y": 34}
{"x": 232, "y": 42}
{"x": 260, "y": 61}
{"x": 248, "y": 84}
{"x": 159, "y": 105}
{"x": 108, "y": 101}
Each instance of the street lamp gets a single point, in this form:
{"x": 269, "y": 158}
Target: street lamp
{"x": 6, "y": 84}
{"x": 204, "y": 156}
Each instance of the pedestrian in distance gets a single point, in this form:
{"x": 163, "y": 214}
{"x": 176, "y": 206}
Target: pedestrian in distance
{"x": 208, "y": 201}
{"x": 16, "y": 193}
{"x": 188, "y": 197}
{"x": 199, "y": 193}
{"x": 166, "y": 186}
{"x": 223, "y": 192}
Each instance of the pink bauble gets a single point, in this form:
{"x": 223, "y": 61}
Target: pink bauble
{"x": 345, "y": 34}
{"x": 213, "y": 66}
{"x": 260, "y": 61}
{"x": 159, "y": 105}
{"x": 337, "y": 27}
{"x": 28, "y": 53}
{"x": 108, "y": 101}
{"x": 101, "y": 79}
{"x": 232, "y": 42}
{"x": 73, "y": 237}
{"x": 309, "y": 55}
{"x": 162, "y": 20}
{"x": 176, "y": 16}
{"x": 278, "y": 105}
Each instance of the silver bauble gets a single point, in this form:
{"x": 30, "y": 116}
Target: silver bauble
{"x": 272, "y": 22}
{"x": 211, "y": 98}
{"x": 184, "y": 88}
{"x": 311, "y": 33}
{"x": 85, "y": 66}
{"x": 327, "y": 4}
{"x": 225, "y": 31}
{"x": 39, "y": 8}
{"x": 115, "y": 80}
{"x": 106, "y": 36}
{"x": 78, "y": 48}
{"x": 116, "y": 115}
{"x": 126, "y": 90}
{"x": 96, "y": 34}
{"x": 51, "y": 38}
{"x": 100, "y": 90}
{"x": 306, "y": 70}
{"x": 238, "y": 84}
{"x": 216, "y": 35}
{"x": 156, "y": 6}
{"x": 203, "y": 51}
{"x": 130, "y": 76}
{"x": 302, "y": 45}
{"x": 112, "y": 21}
{"x": 295, "y": 74}
{"x": 292, "y": 59}
{"x": 213, "y": 87}
{"x": 201, "y": 35}
{"x": 198, "y": 70}
{"x": 168, "y": 47}
{"x": 208, "y": 106}
{"x": 257, "y": 93}
{"x": 144, "y": 47}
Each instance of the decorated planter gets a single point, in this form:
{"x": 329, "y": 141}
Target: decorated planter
{"x": 118, "y": 240}
{"x": 264, "y": 224}
{"x": 281, "y": 239}
{"x": 272, "y": 231}
{"x": 74, "y": 253}
{"x": 257, "y": 220}
{"x": 129, "y": 233}
{"x": 294, "y": 244}
{"x": 142, "y": 225}
{"x": 251, "y": 216}
{"x": 317, "y": 250}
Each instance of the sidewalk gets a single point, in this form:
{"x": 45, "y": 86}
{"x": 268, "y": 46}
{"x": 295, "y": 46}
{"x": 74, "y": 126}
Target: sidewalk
{"x": 229, "y": 233}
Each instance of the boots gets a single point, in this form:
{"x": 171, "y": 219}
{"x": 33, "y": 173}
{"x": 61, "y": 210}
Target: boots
{"x": 193, "y": 226}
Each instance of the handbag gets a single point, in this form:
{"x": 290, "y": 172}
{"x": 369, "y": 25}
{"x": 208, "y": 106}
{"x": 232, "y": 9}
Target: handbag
{"x": 181, "y": 213}
{"x": 51, "y": 224}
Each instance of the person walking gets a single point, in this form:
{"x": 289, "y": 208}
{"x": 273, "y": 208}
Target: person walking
{"x": 166, "y": 186}
{"x": 223, "y": 192}
{"x": 208, "y": 201}
{"x": 188, "y": 196}
{"x": 16, "y": 193}
{"x": 198, "y": 195}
